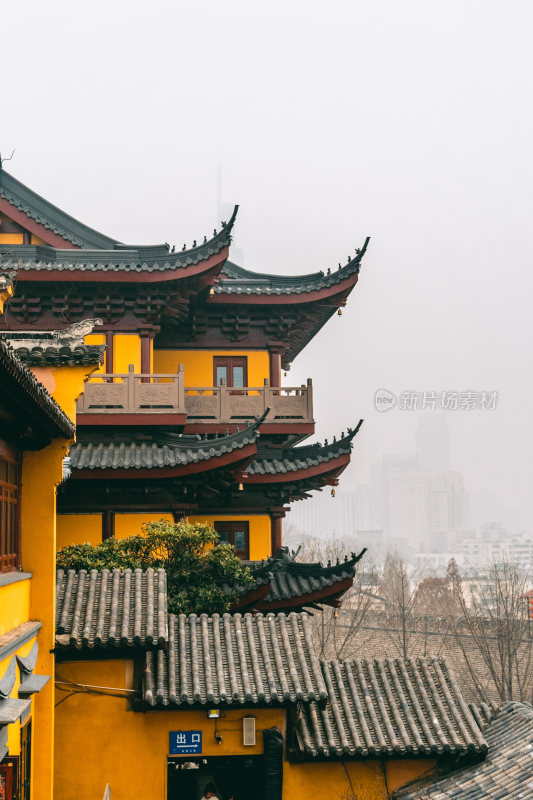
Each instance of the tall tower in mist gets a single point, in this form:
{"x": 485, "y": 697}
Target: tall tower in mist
{"x": 432, "y": 438}
{"x": 224, "y": 212}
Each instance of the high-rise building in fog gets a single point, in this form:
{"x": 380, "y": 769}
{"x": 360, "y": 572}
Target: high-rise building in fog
{"x": 432, "y": 441}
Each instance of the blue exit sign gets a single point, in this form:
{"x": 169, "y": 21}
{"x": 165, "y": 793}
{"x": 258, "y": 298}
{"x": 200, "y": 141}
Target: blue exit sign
{"x": 181, "y": 742}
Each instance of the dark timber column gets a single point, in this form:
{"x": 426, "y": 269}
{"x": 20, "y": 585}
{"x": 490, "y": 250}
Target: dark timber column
{"x": 275, "y": 368}
{"x": 108, "y": 525}
{"x": 109, "y": 351}
{"x": 146, "y": 338}
{"x": 275, "y": 532}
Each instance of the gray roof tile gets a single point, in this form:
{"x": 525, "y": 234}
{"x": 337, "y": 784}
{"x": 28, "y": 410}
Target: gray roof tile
{"x": 117, "y": 258}
{"x": 280, "y": 462}
{"x": 236, "y": 280}
{"x": 80, "y": 355}
{"x": 234, "y": 659}
{"x": 389, "y": 707}
{"x": 111, "y": 608}
{"x": 506, "y": 772}
{"x": 156, "y": 451}
{"x": 290, "y": 579}
{"x": 48, "y": 215}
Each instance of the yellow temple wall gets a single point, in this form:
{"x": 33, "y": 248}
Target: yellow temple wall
{"x": 97, "y": 338}
{"x": 131, "y": 524}
{"x": 99, "y": 741}
{"x": 78, "y": 529}
{"x": 350, "y": 780}
{"x": 260, "y": 530}
{"x": 14, "y": 605}
{"x": 42, "y": 471}
{"x": 198, "y": 364}
{"x": 126, "y": 351}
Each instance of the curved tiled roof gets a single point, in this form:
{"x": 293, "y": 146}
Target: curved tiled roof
{"x": 389, "y": 707}
{"x": 234, "y": 659}
{"x": 80, "y": 355}
{"x": 505, "y": 773}
{"x": 48, "y": 215}
{"x": 111, "y": 608}
{"x": 274, "y": 461}
{"x": 237, "y": 280}
{"x": 290, "y": 580}
{"x": 156, "y": 451}
{"x": 118, "y": 258}
{"x": 17, "y": 378}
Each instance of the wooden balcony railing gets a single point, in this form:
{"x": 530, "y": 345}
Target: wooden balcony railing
{"x": 133, "y": 393}
{"x": 141, "y": 393}
{"x": 227, "y": 404}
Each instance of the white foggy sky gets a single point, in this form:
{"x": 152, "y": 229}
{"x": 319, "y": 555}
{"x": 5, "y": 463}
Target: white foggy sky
{"x": 410, "y": 122}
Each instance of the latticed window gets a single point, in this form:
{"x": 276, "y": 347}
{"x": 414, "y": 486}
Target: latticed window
{"x": 9, "y": 514}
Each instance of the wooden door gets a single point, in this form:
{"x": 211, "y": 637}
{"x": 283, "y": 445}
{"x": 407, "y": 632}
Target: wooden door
{"x": 236, "y": 534}
{"x": 233, "y": 370}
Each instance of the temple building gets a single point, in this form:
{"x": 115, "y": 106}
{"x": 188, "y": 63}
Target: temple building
{"x": 142, "y": 383}
{"x": 187, "y": 415}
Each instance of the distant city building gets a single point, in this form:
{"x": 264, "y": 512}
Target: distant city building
{"x": 433, "y": 444}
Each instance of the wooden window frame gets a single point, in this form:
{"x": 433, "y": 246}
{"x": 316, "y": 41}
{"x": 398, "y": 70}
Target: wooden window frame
{"x": 229, "y": 362}
{"x": 10, "y": 491}
{"x": 230, "y": 527}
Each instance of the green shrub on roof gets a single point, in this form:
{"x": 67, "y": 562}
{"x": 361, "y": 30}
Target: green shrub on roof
{"x": 202, "y": 573}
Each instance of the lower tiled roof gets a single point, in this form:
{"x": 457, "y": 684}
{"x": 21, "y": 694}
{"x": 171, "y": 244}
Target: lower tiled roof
{"x": 506, "y": 773}
{"x": 291, "y": 581}
{"x": 81, "y": 355}
{"x": 234, "y": 659}
{"x": 111, "y": 608}
{"x": 389, "y": 707}
{"x": 272, "y": 461}
{"x": 157, "y": 451}
{"x": 237, "y": 280}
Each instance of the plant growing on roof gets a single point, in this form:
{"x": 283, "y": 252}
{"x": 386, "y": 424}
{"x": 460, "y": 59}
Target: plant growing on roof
{"x": 203, "y": 575}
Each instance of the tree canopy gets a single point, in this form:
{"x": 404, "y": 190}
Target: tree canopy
{"x": 202, "y": 573}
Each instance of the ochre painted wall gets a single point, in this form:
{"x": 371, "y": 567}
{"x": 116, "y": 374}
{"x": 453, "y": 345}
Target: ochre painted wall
{"x": 259, "y": 530}
{"x": 42, "y": 471}
{"x": 344, "y": 780}
{"x": 17, "y": 238}
{"x": 65, "y": 384}
{"x": 126, "y": 351}
{"x": 198, "y": 364}
{"x": 97, "y": 338}
{"x": 401, "y": 772}
{"x": 99, "y": 741}
{"x": 14, "y": 605}
{"x": 131, "y": 524}
{"x": 78, "y": 529}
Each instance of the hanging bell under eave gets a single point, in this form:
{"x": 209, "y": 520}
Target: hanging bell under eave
{"x": 333, "y": 492}
{"x": 339, "y": 312}
{"x": 241, "y": 487}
